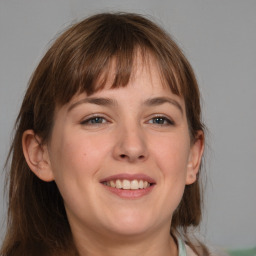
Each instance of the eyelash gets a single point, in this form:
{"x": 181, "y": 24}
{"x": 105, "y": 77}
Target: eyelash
{"x": 166, "y": 121}
{"x": 99, "y": 120}
{"x": 93, "y": 120}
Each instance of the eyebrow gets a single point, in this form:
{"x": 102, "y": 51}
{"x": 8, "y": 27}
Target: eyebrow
{"x": 162, "y": 100}
{"x": 96, "y": 101}
{"x": 111, "y": 102}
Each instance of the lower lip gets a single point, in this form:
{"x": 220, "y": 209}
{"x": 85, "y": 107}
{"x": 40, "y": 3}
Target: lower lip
{"x": 130, "y": 193}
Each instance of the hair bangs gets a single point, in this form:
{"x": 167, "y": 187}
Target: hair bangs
{"x": 88, "y": 59}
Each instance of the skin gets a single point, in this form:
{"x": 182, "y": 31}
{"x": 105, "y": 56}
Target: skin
{"x": 129, "y": 135}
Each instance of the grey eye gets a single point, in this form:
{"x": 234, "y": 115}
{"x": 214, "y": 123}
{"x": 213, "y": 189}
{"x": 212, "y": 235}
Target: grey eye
{"x": 161, "y": 121}
{"x": 94, "y": 120}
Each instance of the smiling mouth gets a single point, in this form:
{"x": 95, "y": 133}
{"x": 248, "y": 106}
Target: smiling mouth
{"x": 127, "y": 184}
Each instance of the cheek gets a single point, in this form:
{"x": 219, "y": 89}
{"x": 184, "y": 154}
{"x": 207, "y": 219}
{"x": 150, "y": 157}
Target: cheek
{"x": 76, "y": 157}
{"x": 172, "y": 154}
{"x": 75, "y": 160}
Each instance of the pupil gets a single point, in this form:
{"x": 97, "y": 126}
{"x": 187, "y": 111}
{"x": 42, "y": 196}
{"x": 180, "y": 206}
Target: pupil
{"x": 97, "y": 120}
{"x": 159, "y": 120}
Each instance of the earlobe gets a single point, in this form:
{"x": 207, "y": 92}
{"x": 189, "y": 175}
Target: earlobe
{"x": 195, "y": 157}
{"x": 36, "y": 156}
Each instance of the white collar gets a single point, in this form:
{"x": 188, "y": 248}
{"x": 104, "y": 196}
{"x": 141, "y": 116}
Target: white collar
{"x": 181, "y": 247}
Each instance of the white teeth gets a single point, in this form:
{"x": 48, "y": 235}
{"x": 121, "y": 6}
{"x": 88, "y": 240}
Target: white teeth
{"x": 127, "y": 184}
{"x": 112, "y": 184}
{"x": 134, "y": 184}
{"x": 146, "y": 184}
{"x": 141, "y": 184}
{"x": 119, "y": 184}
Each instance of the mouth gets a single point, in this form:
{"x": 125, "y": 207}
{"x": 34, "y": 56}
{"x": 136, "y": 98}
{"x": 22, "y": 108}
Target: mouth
{"x": 128, "y": 184}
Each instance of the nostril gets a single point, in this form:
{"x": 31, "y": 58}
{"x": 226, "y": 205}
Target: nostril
{"x": 131, "y": 158}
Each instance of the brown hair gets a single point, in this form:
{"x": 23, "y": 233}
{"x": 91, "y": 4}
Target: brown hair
{"x": 74, "y": 64}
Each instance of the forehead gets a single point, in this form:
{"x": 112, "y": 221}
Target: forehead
{"x": 144, "y": 66}
{"x": 119, "y": 72}
{"x": 145, "y": 85}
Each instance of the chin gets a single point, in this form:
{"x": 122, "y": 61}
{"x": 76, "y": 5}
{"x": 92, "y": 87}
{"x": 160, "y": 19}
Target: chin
{"x": 131, "y": 225}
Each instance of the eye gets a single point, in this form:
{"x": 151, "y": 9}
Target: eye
{"x": 96, "y": 120}
{"x": 161, "y": 120}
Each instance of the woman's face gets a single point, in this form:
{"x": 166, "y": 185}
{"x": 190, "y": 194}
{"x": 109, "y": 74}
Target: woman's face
{"x": 122, "y": 157}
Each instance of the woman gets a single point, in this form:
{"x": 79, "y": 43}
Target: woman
{"x": 107, "y": 152}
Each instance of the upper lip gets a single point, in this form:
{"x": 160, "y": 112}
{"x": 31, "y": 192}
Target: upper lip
{"x": 126, "y": 176}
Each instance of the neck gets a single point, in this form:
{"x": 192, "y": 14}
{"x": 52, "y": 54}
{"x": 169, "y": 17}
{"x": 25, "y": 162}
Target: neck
{"x": 94, "y": 244}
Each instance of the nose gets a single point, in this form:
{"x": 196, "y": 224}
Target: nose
{"x": 131, "y": 145}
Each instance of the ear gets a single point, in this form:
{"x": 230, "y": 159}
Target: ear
{"x": 195, "y": 157}
{"x": 37, "y": 156}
